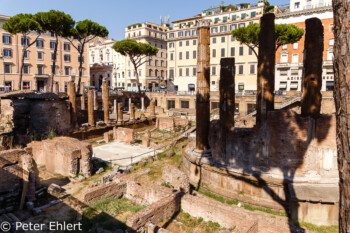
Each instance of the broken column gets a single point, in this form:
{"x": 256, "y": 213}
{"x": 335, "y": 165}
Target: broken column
{"x": 142, "y": 104}
{"x": 132, "y": 111}
{"x": 266, "y": 67}
{"x": 227, "y": 93}
{"x": 115, "y": 106}
{"x": 95, "y": 100}
{"x": 105, "y": 97}
{"x": 312, "y": 71}
{"x": 152, "y": 107}
{"x": 82, "y": 99}
{"x": 91, "y": 119}
{"x": 146, "y": 140}
{"x": 72, "y": 100}
{"x": 120, "y": 112}
{"x": 203, "y": 86}
{"x": 129, "y": 104}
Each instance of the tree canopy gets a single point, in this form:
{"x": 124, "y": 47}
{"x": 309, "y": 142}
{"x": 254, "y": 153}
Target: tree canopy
{"x": 56, "y": 22}
{"x": 137, "y": 53}
{"x": 285, "y": 34}
{"x": 268, "y": 7}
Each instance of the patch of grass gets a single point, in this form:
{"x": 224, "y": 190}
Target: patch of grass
{"x": 167, "y": 185}
{"x": 105, "y": 212}
{"x": 241, "y": 193}
{"x": 320, "y": 229}
{"x": 266, "y": 210}
{"x": 200, "y": 219}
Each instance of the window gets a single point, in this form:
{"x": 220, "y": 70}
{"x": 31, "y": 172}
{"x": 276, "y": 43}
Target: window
{"x": 284, "y": 58}
{"x": 214, "y": 53}
{"x": 233, "y": 39}
{"x": 294, "y": 85}
{"x": 329, "y": 85}
{"x": 25, "y": 69}
{"x": 171, "y": 45}
{"x": 224, "y": 19}
{"x": 216, "y": 20}
{"x": 331, "y": 42}
{"x": 150, "y": 73}
{"x": 188, "y": 33}
{"x": 40, "y": 55}
{"x": 250, "y": 51}
{"x": 66, "y": 70}
{"x": 295, "y": 45}
{"x": 80, "y": 58}
{"x": 241, "y": 51}
{"x": 240, "y": 69}
{"x": 233, "y": 27}
{"x": 213, "y": 70}
{"x": 214, "y": 40}
{"x": 171, "y": 35}
{"x": 243, "y": 15}
{"x": 223, "y": 39}
{"x": 52, "y": 34}
{"x": 187, "y": 72}
{"x": 241, "y": 25}
{"x": 214, "y": 30}
{"x": 187, "y": 43}
{"x": 9, "y": 84}
{"x": 7, "y": 52}
{"x": 240, "y": 86}
{"x": 6, "y": 39}
{"x": 187, "y": 55}
{"x": 171, "y": 56}
{"x": 40, "y": 43}
{"x": 7, "y": 68}
{"x": 252, "y": 69}
{"x": 180, "y": 72}
{"x": 284, "y": 47}
{"x": 161, "y": 63}
{"x": 223, "y": 28}
{"x": 180, "y": 55}
{"x": 233, "y": 51}
{"x": 194, "y": 71}
{"x": 52, "y": 56}
{"x": 296, "y": 5}
{"x": 26, "y": 54}
{"x": 194, "y": 32}
{"x": 194, "y": 54}
{"x": 26, "y": 85}
{"x": 283, "y": 86}
{"x": 24, "y": 41}
{"x": 191, "y": 87}
{"x": 180, "y": 44}
{"x": 252, "y": 14}
{"x": 149, "y": 62}
{"x": 185, "y": 104}
{"x": 171, "y": 73}
{"x": 234, "y": 17}
{"x": 329, "y": 55}
{"x": 194, "y": 42}
{"x": 52, "y": 44}
{"x": 222, "y": 52}
{"x": 171, "y": 104}
{"x": 295, "y": 58}
{"x": 67, "y": 57}
{"x": 40, "y": 69}
{"x": 155, "y": 62}
{"x": 180, "y": 34}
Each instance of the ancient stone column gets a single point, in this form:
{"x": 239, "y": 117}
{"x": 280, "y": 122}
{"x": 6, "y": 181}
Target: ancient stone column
{"x": 120, "y": 112}
{"x": 266, "y": 68}
{"x": 132, "y": 111}
{"x": 105, "y": 100}
{"x": 115, "y": 106}
{"x": 95, "y": 100}
{"x": 91, "y": 119}
{"x": 227, "y": 93}
{"x": 73, "y": 102}
{"x": 203, "y": 86}
{"x": 312, "y": 69}
{"x": 142, "y": 104}
{"x": 129, "y": 104}
{"x": 56, "y": 88}
{"x": 82, "y": 99}
{"x": 152, "y": 108}
{"x": 146, "y": 140}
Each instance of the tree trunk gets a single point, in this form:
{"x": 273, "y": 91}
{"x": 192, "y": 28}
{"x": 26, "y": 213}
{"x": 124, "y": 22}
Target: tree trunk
{"x": 341, "y": 10}
{"x": 137, "y": 76}
{"x": 51, "y": 81}
{"x": 80, "y": 68}
{"x": 22, "y": 65}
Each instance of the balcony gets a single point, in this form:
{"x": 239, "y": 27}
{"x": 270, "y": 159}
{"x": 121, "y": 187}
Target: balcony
{"x": 328, "y": 63}
{"x": 283, "y": 65}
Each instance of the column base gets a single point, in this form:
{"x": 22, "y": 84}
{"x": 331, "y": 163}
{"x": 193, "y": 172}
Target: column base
{"x": 202, "y": 153}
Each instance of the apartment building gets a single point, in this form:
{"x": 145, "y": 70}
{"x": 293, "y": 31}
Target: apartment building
{"x": 38, "y": 61}
{"x": 182, "y": 47}
{"x": 289, "y": 58}
{"x": 153, "y": 73}
{"x": 101, "y": 56}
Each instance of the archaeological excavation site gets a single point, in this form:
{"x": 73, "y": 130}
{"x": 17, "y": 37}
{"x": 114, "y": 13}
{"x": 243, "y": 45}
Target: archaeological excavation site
{"x": 104, "y": 161}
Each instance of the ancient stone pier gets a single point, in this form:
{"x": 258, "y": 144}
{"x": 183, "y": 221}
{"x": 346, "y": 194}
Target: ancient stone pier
{"x": 312, "y": 72}
{"x": 95, "y": 100}
{"x": 227, "y": 99}
{"x": 266, "y": 68}
{"x": 203, "y": 86}
{"x": 82, "y": 98}
{"x": 152, "y": 107}
{"x": 91, "y": 119}
{"x": 105, "y": 97}
{"x": 73, "y": 102}
{"x": 120, "y": 112}
{"x": 132, "y": 111}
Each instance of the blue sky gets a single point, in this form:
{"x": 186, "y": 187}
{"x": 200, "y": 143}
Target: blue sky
{"x": 117, "y": 14}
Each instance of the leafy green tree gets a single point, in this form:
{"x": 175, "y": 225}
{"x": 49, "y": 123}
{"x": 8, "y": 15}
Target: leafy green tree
{"x": 268, "y": 7}
{"x": 85, "y": 31}
{"x": 23, "y": 24}
{"x": 137, "y": 52}
{"x": 285, "y": 34}
{"x": 60, "y": 24}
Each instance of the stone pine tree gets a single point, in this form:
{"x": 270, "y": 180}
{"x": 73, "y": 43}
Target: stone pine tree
{"x": 342, "y": 98}
{"x": 285, "y": 34}
{"x": 23, "y": 24}
{"x": 83, "y": 32}
{"x": 137, "y": 52}
{"x": 60, "y": 24}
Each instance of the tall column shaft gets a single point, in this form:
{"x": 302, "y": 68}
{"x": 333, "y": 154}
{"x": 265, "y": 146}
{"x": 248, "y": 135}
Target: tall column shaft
{"x": 203, "y": 86}
{"x": 132, "y": 111}
{"x": 91, "y": 119}
{"x": 73, "y": 102}
{"x": 115, "y": 106}
{"x": 266, "y": 67}
{"x": 105, "y": 100}
{"x": 142, "y": 104}
{"x": 312, "y": 69}
{"x": 120, "y": 112}
{"x": 152, "y": 107}
{"x": 95, "y": 100}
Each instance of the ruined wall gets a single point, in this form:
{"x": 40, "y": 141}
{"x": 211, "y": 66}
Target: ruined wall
{"x": 63, "y": 155}
{"x": 39, "y": 116}
{"x": 125, "y": 135}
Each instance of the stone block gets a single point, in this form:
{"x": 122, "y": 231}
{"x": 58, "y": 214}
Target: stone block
{"x": 178, "y": 179}
{"x": 125, "y": 135}
{"x": 108, "y": 136}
